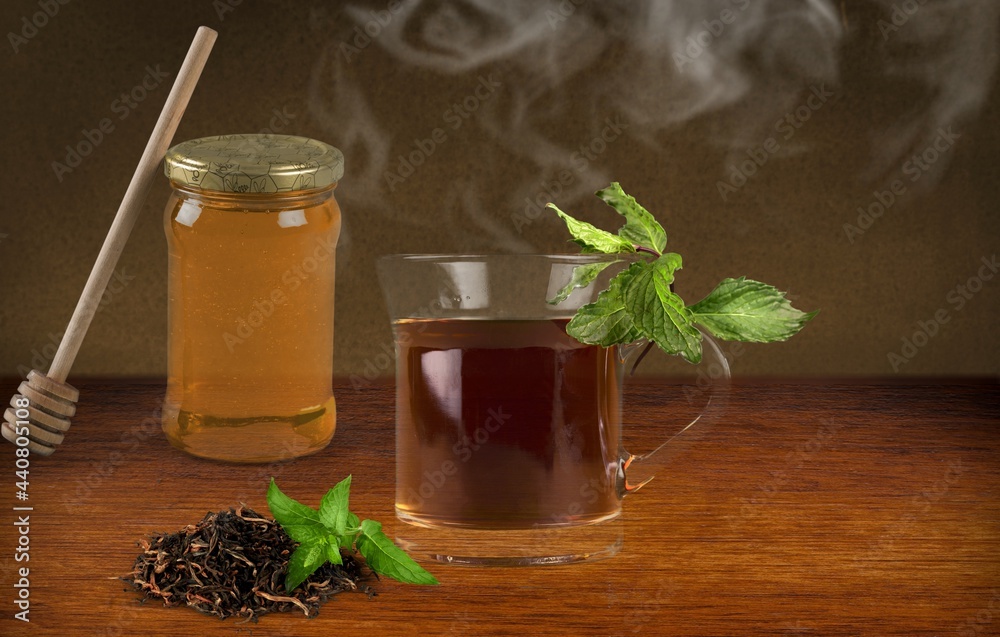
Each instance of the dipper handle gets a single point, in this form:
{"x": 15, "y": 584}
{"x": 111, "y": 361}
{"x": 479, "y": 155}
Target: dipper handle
{"x": 135, "y": 196}
{"x": 39, "y": 415}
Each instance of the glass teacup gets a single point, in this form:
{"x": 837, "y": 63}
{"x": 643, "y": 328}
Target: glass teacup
{"x": 508, "y": 430}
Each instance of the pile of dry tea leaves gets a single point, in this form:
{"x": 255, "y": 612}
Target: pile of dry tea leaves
{"x": 233, "y": 563}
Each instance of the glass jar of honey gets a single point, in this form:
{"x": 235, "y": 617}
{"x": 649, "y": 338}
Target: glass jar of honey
{"x": 252, "y": 228}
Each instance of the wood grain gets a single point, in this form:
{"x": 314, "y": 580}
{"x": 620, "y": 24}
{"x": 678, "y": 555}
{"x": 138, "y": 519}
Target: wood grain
{"x": 814, "y": 509}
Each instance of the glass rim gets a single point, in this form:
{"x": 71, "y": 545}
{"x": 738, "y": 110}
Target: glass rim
{"x": 471, "y": 256}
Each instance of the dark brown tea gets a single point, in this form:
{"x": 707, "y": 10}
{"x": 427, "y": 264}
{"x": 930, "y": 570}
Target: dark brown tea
{"x": 505, "y": 424}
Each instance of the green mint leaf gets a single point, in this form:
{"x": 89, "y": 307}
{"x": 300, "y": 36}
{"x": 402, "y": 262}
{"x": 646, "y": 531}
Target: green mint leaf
{"x": 308, "y": 557}
{"x": 300, "y": 522}
{"x": 333, "y": 551}
{"x": 593, "y": 239}
{"x": 333, "y": 507}
{"x": 606, "y": 322}
{"x": 385, "y": 558}
{"x": 582, "y": 276}
{"x": 659, "y": 313}
{"x": 353, "y": 528}
{"x": 321, "y": 534}
{"x": 639, "y": 303}
{"x": 640, "y": 228}
{"x": 746, "y": 310}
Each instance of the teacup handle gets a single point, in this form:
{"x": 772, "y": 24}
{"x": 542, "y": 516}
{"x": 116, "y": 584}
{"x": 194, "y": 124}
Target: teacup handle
{"x": 635, "y": 471}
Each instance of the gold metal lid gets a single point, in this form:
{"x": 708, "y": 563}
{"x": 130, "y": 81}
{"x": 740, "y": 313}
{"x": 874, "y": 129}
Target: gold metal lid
{"x": 254, "y": 163}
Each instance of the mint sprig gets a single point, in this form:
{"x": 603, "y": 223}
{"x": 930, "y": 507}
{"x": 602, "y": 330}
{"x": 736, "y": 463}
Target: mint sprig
{"x": 639, "y": 302}
{"x": 322, "y": 534}
{"x": 745, "y": 310}
{"x": 660, "y": 314}
{"x": 606, "y": 321}
{"x": 592, "y": 239}
{"x": 641, "y": 227}
{"x": 583, "y": 275}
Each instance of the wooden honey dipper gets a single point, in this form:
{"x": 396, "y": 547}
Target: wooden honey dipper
{"x": 51, "y": 402}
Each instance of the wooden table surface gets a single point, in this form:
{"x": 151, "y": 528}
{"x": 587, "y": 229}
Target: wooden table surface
{"x": 810, "y": 509}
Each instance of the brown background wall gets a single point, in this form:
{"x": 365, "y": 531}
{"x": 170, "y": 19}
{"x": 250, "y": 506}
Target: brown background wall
{"x": 689, "y": 113}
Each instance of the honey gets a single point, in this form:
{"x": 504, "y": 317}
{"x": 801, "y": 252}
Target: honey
{"x": 252, "y": 229}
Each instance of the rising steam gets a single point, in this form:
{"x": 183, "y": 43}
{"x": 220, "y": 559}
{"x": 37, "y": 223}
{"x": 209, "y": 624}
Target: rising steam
{"x": 657, "y": 64}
